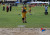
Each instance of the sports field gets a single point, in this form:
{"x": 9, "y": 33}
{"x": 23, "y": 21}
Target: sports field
{"x": 12, "y": 19}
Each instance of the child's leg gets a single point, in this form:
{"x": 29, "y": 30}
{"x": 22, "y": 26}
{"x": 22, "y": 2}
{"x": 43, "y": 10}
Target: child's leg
{"x": 45, "y": 10}
{"x": 23, "y": 20}
{"x": 3, "y": 8}
{"x": 30, "y": 12}
{"x": 23, "y": 17}
{"x": 7, "y": 9}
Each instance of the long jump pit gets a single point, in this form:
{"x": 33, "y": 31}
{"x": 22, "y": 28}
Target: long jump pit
{"x": 24, "y": 31}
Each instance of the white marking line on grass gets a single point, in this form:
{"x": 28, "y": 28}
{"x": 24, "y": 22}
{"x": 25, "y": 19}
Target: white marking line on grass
{"x": 21, "y": 26}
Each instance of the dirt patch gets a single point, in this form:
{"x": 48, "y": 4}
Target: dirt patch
{"x": 24, "y": 31}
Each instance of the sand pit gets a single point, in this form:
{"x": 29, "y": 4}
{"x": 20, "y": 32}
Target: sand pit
{"x": 24, "y": 31}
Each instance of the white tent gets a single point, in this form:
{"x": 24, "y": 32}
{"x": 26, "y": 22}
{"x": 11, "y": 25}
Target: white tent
{"x": 39, "y": 2}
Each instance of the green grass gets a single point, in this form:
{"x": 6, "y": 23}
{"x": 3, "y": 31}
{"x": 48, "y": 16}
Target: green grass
{"x": 36, "y": 20}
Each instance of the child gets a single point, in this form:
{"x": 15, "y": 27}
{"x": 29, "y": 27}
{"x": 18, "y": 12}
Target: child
{"x": 10, "y": 7}
{"x": 7, "y": 8}
{"x": 3, "y": 7}
{"x": 46, "y": 9}
{"x": 24, "y": 14}
{"x": 30, "y": 9}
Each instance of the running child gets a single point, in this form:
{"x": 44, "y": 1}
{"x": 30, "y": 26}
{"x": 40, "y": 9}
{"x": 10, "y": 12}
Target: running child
{"x": 24, "y": 14}
{"x": 30, "y": 9}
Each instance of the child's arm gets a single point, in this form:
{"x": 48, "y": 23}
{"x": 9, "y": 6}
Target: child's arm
{"x": 22, "y": 9}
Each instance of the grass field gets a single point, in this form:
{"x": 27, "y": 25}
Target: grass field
{"x": 36, "y": 20}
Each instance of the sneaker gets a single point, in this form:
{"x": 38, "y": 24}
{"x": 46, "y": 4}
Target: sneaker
{"x": 25, "y": 22}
